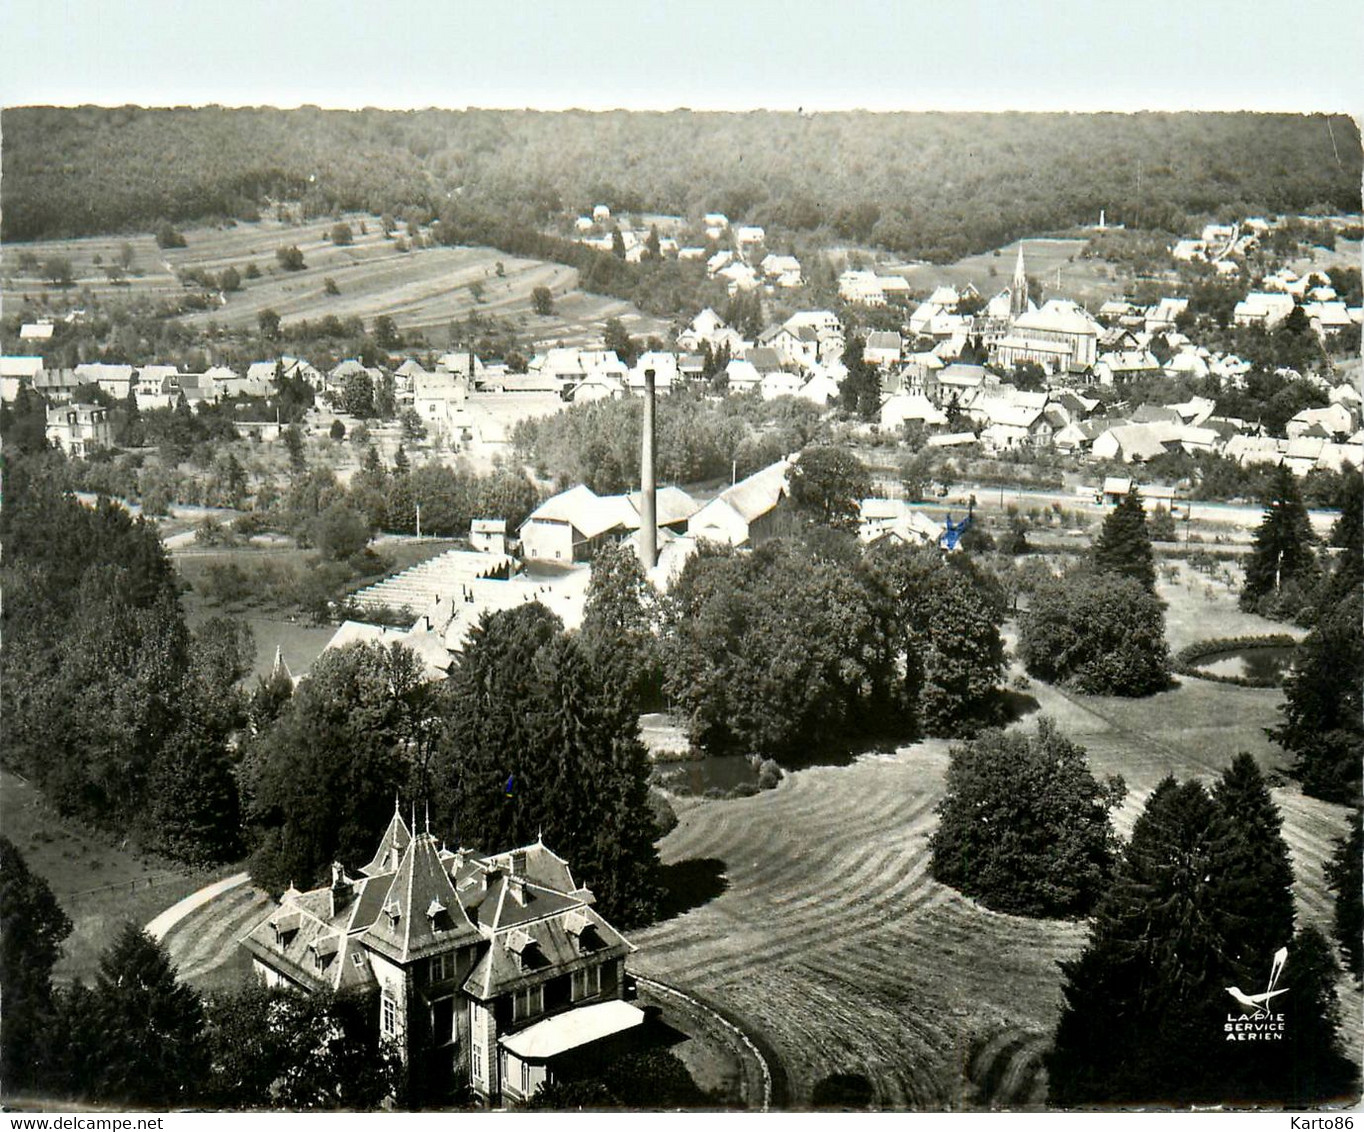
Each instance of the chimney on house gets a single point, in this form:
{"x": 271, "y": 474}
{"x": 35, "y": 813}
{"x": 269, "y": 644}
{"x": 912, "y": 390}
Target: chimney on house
{"x": 341, "y": 888}
{"x": 648, "y": 512}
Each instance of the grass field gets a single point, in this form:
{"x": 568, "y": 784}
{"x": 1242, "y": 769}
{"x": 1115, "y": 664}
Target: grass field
{"x": 831, "y": 939}
{"x": 422, "y": 290}
{"x": 1088, "y": 281}
{"x": 808, "y": 914}
{"x": 99, "y": 883}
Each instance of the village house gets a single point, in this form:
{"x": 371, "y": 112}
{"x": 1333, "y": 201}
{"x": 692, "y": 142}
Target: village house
{"x": 896, "y": 519}
{"x": 573, "y": 525}
{"x": 486, "y": 970}
{"x": 910, "y": 408}
{"x": 79, "y": 430}
{"x": 796, "y": 347}
{"x": 114, "y": 380}
{"x": 17, "y": 371}
{"x": 40, "y": 331}
{"x": 741, "y": 376}
{"x": 748, "y": 513}
{"x": 883, "y": 348}
{"x": 1263, "y": 308}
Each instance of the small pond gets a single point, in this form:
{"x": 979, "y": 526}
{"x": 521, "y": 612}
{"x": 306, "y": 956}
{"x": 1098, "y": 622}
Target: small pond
{"x": 697, "y": 776}
{"x": 1270, "y": 663}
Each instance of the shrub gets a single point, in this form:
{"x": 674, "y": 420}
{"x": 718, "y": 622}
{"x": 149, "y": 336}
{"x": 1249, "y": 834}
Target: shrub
{"x": 1102, "y": 634}
{"x": 1024, "y": 826}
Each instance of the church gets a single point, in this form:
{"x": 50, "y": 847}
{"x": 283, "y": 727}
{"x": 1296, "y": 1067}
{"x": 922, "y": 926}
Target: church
{"x": 488, "y": 970}
{"x": 1060, "y": 336}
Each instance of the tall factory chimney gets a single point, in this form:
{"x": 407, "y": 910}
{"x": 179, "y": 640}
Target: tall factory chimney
{"x": 648, "y": 511}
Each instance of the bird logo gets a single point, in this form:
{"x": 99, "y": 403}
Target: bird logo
{"x": 1257, "y": 1005}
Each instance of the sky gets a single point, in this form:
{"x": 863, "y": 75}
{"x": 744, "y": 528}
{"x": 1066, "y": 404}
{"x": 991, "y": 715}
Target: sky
{"x": 646, "y": 54}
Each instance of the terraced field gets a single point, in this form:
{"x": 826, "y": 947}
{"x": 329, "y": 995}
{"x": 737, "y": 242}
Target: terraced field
{"x": 422, "y": 290}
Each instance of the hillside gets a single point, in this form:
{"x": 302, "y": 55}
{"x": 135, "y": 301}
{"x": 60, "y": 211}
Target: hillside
{"x": 930, "y": 186}
{"x": 422, "y": 290}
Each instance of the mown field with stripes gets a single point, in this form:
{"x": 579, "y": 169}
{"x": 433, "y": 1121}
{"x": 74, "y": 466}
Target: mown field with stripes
{"x": 813, "y": 920}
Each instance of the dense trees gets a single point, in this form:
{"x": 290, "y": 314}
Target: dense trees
{"x": 535, "y": 744}
{"x": 1146, "y": 1004}
{"x": 598, "y": 443}
{"x": 777, "y": 653}
{"x": 1282, "y": 568}
{"x": 946, "y": 615}
{"x": 1124, "y": 542}
{"x": 1024, "y": 826}
{"x": 1099, "y": 633}
{"x": 1323, "y": 706}
{"x": 32, "y": 927}
{"x": 319, "y": 782}
{"x": 897, "y": 179}
{"x": 314, "y": 1051}
{"x": 106, "y": 696}
{"x": 828, "y": 484}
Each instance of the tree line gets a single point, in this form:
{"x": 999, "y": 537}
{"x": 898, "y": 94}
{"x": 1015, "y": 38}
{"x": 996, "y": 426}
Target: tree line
{"x": 927, "y": 185}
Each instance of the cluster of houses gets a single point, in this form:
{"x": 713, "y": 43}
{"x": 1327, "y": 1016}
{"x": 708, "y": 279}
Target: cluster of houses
{"x": 573, "y": 525}
{"x": 1000, "y": 417}
{"x": 1218, "y": 243}
{"x": 744, "y": 264}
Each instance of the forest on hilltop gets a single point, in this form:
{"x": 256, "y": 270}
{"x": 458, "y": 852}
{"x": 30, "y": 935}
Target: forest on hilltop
{"x": 927, "y": 185}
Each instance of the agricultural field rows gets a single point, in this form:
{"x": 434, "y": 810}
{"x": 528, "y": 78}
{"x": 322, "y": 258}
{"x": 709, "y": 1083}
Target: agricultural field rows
{"x": 422, "y": 290}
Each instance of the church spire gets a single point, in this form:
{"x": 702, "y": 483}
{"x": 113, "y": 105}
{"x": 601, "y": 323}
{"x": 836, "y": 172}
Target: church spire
{"x": 1018, "y": 292}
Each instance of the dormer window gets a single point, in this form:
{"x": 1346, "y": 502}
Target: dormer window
{"x": 582, "y": 931}
{"x": 323, "y": 950}
{"x": 393, "y": 912}
{"x": 284, "y": 925}
{"x": 527, "y": 951}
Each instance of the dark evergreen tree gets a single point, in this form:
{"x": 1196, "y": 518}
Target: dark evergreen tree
{"x": 1345, "y": 875}
{"x": 1311, "y": 1068}
{"x": 537, "y": 746}
{"x": 151, "y": 1050}
{"x": 1152, "y": 1013}
{"x": 1282, "y": 564}
{"x": 860, "y": 391}
{"x": 1024, "y": 826}
{"x": 1145, "y": 1001}
{"x": 1124, "y": 543}
{"x": 1323, "y": 706}
{"x": 1253, "y": 888}
{"x": 32, "y": 927}
{"x": 1348, "y": 530}
{"x": 619, "y": 624}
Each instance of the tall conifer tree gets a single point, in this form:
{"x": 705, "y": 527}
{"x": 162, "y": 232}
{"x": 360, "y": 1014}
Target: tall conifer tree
{"x": 1124, "y": 543}
{"x": 1282, "y": 554}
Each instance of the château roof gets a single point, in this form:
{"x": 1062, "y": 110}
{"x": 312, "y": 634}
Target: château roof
{"x": 420, "y": 912}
